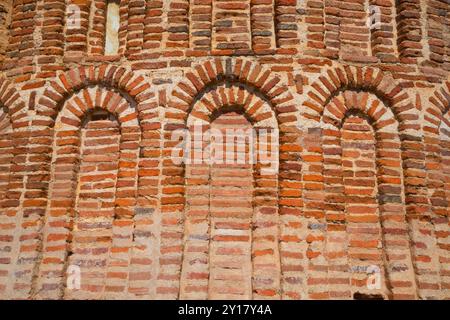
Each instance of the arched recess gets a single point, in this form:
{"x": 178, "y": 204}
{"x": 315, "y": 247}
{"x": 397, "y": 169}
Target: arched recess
{"x": 362, "y": 175}
{"x": 238, "y": 231}
{"x": 94, "y": 164}
{"x": 13, "y": 138}
{"x": 340, "y": 91}
{"x": 435, "y": 270}
{"x": 127, "y": 97}
{"x": 218, "y": 85}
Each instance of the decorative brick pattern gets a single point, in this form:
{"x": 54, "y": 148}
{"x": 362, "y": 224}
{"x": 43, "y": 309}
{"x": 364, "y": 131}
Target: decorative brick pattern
{"x": 90, "y": 189}
{"x": 245, "y": 75}
{"x": 390, "y": 201}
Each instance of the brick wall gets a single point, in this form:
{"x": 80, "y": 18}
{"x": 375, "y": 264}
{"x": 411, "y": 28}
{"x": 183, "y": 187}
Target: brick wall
{"x": 91, "y": 193}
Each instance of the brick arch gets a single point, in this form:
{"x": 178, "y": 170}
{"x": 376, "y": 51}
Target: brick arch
{"x": 380, "y": 117}
{"x": 115, "y": 83}
{"x": 437, "y": 162}
{"x": 135, "y": 88}
{"x": 441, "y": 101}
{"x": 210, "y": 87}
{"x": 361, "y": 79}
{"x": 235, "y": 70}
{"x": 388, "y": 202}
{"x": 88, "y": 99}
{"x": 226, "y": 96}
{"x": 324, "y": 110}
{"x": 265, "y": 269}
{"x": 61, "y": 210}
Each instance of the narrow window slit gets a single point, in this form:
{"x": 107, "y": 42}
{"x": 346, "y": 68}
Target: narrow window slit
{"x": 112, "y": 28}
